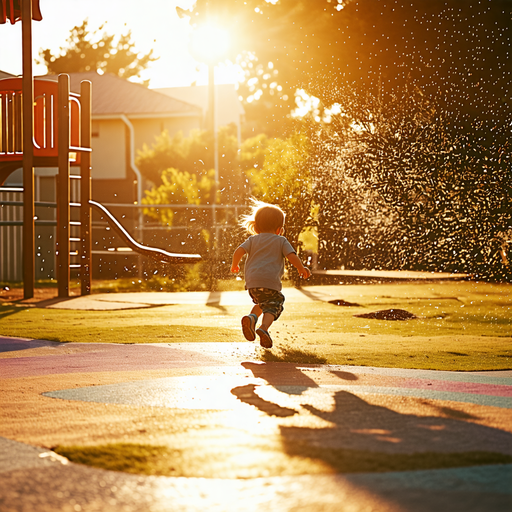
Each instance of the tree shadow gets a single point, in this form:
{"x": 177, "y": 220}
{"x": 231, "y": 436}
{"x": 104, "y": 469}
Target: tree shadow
{"x": 14, "y": 344}
{"x": 344, "y": 375}
{"x": 8, "y": 310}
{"x": 213, "y": 301}
{"x": 222, "y": 309}
{"x": 364, "y": 437}
{"x": 452, "y": 413}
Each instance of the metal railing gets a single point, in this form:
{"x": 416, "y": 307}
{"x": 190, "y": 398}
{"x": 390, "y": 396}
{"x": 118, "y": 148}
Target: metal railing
{"x": 11, "y": 225}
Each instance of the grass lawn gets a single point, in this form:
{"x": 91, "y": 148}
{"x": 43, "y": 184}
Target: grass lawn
{"x": 457, "y": 326}
{"x": 208, "y": 461}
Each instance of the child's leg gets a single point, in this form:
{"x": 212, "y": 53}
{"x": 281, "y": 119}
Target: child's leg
{"x": 268, "y": 319}
{"x": 262, "y": 332}
{"x": 249, "y": 323}
{"x": 256, "y": 310}
{"x": 268, "y": 302}
{"x": 272, "y": 307}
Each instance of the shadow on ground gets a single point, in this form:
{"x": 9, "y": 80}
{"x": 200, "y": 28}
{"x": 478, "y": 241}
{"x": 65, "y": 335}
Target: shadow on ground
{"x": 362, "y": 437}
{"x": 296, "y": 427}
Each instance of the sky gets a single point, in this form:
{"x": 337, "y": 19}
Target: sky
{"x": 154, "y": 24}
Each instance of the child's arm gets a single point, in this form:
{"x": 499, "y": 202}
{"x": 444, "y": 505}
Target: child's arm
{"x": 237, "y": 256}
{"x": 295, "y": 261}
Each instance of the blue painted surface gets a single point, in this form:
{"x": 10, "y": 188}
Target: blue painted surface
{"x": 173, "y": 392}
{"x": 426, "y": 374}
{"x": 193, "y": 392}
{"x": 494, "y": 401}
{"x": 496, "y": 479}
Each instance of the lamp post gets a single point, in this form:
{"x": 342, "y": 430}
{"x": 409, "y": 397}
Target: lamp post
{"x": 212, "y": 125}
{"x": 209, "y": 44}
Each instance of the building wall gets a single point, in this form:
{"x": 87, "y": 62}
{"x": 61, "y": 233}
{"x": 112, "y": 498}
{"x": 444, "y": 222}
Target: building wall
{"x": 146, "y": 130}
{"x": 108, "y": 150}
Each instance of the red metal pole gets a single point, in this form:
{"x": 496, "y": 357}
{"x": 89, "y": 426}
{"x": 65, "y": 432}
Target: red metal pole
{"x": 28, "y": 154}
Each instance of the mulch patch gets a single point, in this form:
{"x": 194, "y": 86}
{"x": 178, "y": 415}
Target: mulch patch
{"x": 388, "y": 314}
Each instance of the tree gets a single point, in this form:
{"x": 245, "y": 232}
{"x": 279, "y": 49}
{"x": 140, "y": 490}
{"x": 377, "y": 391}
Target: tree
{"x": 285, "y": 180}
{"x": 178, "y": 188}
{"x": 194, "y": 155}
{"x": 402, "y": 186}
{"x": 266, "y": 103}
{"x": 86, "y": 51}
{"x": 455, "y": 46}
{"x": 252, "y": 152}
{"x": 419, "y": 152}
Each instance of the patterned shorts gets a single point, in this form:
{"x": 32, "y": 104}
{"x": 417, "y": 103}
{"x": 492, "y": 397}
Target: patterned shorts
{"x": 270, "y": 301}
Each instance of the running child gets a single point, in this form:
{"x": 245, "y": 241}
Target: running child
{"x": 266, "y": 251}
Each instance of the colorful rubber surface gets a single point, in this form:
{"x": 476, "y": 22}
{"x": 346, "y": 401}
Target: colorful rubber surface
{"x": 218, "y": 398}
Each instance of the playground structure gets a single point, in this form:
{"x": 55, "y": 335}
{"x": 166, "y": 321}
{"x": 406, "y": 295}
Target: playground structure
{"x": 61, "y": 138}
{"x": 42, "y": 124}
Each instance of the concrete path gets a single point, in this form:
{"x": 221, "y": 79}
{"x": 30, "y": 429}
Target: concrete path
{"x": 108, "y": 301}
{"x": 246, "y": 435}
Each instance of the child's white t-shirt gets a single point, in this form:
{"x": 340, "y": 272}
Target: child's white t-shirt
{"x": 264, "y": 267}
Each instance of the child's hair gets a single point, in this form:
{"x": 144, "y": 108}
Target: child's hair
{"x": 264, "y": 217}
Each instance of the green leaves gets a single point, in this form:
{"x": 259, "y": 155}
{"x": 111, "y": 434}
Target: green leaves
{"x": 92, "y": 51}
{"x": 179, "y": 188}
{"x": 285, "y": 180}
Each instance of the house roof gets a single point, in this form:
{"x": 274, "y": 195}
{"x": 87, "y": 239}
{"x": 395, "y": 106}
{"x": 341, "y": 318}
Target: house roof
{"x": 112, "y": 95}
{"x": 4, "y": 74}
{"x": 227, "y": 97}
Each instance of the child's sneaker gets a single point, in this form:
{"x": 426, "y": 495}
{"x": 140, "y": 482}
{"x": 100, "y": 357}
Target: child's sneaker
{"x": 265, "y": 339}
{"x": 249, "y": 326}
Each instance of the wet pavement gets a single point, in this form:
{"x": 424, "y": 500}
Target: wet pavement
{"x": 248, "y": 435}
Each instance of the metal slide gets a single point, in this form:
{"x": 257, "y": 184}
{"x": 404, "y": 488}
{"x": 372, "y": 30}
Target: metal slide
{"x": 152, "y": 252}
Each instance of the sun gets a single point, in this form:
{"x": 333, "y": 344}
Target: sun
{"x": 209, "y": 43}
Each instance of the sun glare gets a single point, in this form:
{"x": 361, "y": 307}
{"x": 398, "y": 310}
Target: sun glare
{"x": 209, "y": 44}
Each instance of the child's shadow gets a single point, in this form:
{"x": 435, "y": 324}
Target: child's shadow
{"x": 286, "y": 377}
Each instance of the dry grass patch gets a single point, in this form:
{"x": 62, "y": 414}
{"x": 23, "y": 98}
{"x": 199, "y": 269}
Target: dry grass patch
{"x": 254, "y": 461}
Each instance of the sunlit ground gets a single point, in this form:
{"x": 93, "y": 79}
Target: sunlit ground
{"x": 459, "y": 325}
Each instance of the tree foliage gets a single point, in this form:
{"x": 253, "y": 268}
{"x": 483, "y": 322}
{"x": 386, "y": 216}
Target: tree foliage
{"x": 95, "y": 51}
{"x": 285, "y": 180}
{"x": 403, "y": 186}
{"x": 194, "y": 155}
{"x": 457, "y": 46}
{"x": 179, "y": 188}
{"x": 252, "y": 152}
